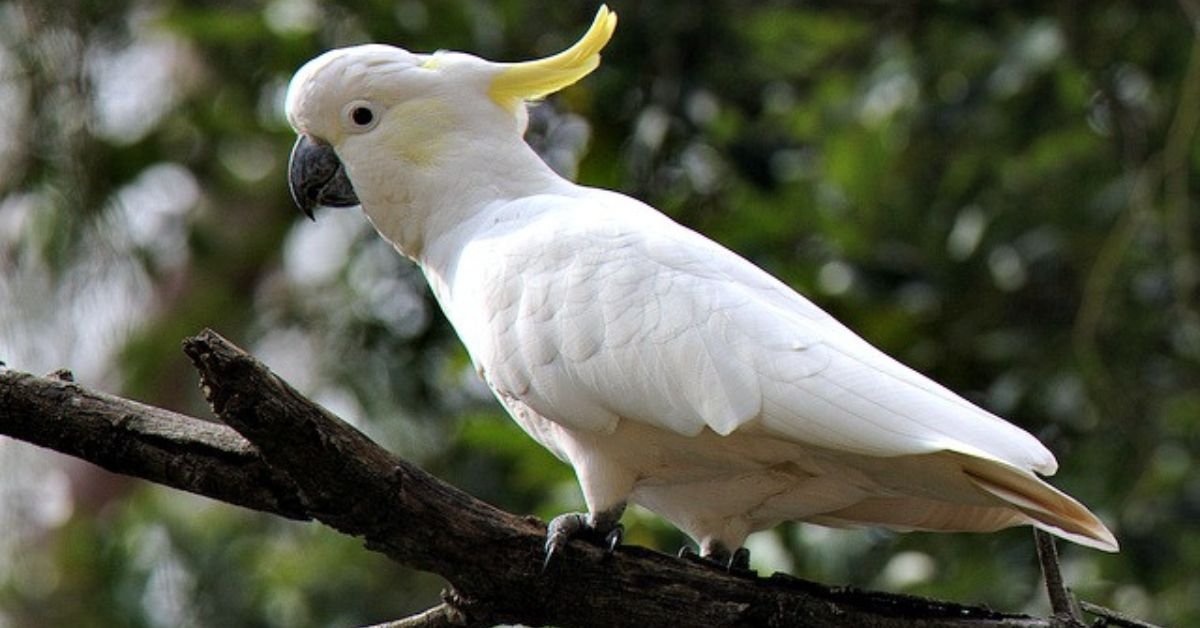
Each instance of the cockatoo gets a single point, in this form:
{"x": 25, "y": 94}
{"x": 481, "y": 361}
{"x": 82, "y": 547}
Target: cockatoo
{"x": 664, "y": 368}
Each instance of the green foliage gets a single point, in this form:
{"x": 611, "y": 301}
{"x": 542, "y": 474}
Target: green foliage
{"x": 1001, "y": 195}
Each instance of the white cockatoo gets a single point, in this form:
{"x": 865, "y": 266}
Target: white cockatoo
{"x": 667, "y": 370}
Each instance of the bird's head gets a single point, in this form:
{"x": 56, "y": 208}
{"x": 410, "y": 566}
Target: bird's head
{"x": 365, "y": 111}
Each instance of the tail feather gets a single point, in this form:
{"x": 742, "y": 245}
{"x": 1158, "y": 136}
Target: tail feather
{"x": 956, "y": 491}
{"x": 906, "y": 514}
{"x": 1046, "y": 507}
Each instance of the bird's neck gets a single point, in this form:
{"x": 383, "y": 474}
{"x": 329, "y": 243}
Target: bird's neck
{"x": 422, "y": 201}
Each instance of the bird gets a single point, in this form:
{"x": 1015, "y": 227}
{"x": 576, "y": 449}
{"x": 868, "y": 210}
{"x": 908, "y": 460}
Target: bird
{"x": 665, "y": 369}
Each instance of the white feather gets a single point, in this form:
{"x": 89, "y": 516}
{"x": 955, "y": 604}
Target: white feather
{"x": 668, "y": 369}
{"x": 620, "y": 312}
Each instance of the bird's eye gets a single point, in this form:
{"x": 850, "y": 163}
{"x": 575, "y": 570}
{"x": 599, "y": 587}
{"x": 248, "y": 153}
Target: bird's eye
{"x": 360, "y": 116}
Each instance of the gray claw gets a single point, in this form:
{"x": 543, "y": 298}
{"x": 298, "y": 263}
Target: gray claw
{"x": 567, "y": 526}
{"x": 613, "y": 538}
{"x": 739, "y": 560}
{"x": 560, "y": 530}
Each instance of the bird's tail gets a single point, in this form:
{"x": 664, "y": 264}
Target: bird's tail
{"x": 1046, "y": 507}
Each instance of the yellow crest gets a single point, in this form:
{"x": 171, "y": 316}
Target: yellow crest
{"x": 528, "y": 80}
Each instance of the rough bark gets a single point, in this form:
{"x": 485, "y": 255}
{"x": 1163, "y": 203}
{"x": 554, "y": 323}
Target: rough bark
{"x": 287, "y": 455}
{"x": 128, "y": 437}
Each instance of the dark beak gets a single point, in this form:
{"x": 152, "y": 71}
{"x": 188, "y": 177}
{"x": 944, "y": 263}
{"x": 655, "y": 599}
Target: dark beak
{"x": 316, "y": 177}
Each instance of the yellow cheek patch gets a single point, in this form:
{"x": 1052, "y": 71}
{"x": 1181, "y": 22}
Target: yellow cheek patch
{"x": 417, "y": 130}
{"x": 518, "y": 82}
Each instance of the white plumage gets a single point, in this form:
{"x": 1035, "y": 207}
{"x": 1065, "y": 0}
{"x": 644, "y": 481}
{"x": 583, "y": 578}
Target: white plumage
{"x": 664, "y": 368}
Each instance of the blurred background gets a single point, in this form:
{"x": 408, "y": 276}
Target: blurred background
{"x": 1001, "y": 194}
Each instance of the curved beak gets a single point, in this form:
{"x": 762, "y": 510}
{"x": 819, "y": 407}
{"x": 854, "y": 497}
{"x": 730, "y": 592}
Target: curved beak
{"x": 317, "y": 178}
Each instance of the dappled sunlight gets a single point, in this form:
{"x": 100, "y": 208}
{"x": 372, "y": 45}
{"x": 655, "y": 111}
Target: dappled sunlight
{"x": 81, "y": 320}
{"x": 135, "y": 85}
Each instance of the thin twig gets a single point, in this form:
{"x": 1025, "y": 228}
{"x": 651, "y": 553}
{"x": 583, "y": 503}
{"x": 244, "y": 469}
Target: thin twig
{"x": 441, "y": 616}
{"x": 1115, "y": 618}
{"x": 1062, "y": 603}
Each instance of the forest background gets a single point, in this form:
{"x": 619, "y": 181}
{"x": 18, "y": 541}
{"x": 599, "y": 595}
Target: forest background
{"x": 1000, "y": 194}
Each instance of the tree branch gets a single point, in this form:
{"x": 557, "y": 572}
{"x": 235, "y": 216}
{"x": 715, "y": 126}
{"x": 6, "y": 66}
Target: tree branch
{"x": 128, "y": 437}
{"x": 295, "y": 459}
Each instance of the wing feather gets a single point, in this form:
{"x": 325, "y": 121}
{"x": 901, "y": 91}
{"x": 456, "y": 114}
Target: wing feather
{"x": 611, "y": 311}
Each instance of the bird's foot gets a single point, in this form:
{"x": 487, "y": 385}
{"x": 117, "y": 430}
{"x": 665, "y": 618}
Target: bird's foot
{"x": 605, "y": 531}
{"x": 735, "y": 561}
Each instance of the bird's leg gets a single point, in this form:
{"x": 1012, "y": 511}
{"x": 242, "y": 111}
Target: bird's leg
{"x": 603, "y": 528}
{"x": 715, "y": 553}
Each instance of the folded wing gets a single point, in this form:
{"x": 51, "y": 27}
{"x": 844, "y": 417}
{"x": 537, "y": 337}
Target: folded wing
{"x": 611, "y": 313}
